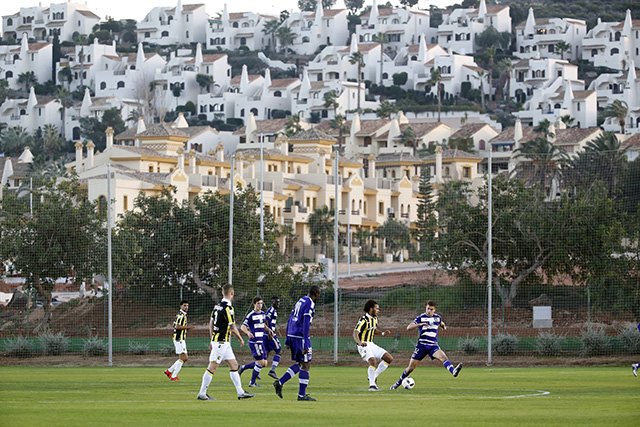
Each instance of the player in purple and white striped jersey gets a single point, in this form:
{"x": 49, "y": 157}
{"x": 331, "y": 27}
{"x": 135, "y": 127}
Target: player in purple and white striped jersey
{"x": 272, "y": 343}
{"x": 635, "y": 366}
{"x": 428, "y": 324}
{"x": 255, "y": 328}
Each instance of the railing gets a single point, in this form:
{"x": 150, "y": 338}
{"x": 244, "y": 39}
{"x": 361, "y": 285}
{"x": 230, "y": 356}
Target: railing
{"x": 301, "y": 101}
{"x": 287, "y": 210}
{"x": 217, "y": 30}
{"x": 15, "y": 117}
{"x": 331, "y": 180}
{"x": 384, "y": 184}
{"x": 332, "y": 62}
{"x": 391, "y": 215}
{"x": 176, "y": 73}
{"x": 209, "y": 180}
{"x": 302, "y": 210}
{"x": 355, "y": 212}
{"x": 39, "y": 21}
{"x": 288, "y": 220}
{"x": 120, "y": 73}
{"x": 342, "y": 212}
{"x": 268, "y": 186}
{"x": 404, "y": 215}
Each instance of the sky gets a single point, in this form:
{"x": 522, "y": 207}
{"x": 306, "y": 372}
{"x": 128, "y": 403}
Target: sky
{"x": 137, "y": 9}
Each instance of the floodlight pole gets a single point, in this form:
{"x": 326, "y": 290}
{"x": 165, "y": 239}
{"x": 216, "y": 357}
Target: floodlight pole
{"x": 489, "y": 257}
{"x": 109, "y": 265}
{"x": 261, "y": 192}
{"x": 335, "y": 257}
{"x": 231, "y": 195}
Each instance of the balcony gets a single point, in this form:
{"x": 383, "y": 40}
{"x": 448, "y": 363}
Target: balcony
{"x": 332, "y": 62}
{"x": 405, "y": 215}
{"x": 355, "y": 212}
{"x": 209, "y": 181}
{"x": 331, "y": 180}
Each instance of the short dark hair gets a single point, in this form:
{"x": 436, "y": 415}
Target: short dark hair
{"x": 226, "y": 289}
{"x": 431, "y": 303}
{"x": 184, "y": 301}
{"x": 369, "y": 305}
{"x": 274, "y": 298}
{"x": 256, "y": 299}
{"x": 314, "y": 290}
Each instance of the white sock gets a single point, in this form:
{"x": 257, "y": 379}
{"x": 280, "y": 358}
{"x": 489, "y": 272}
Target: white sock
{"x": 206, "y": 380}
{"x": 381, "y": 368}
{"x": 176, "y": 368}
{"x": 235, "y": 378}
{"x": 371, "y": 374}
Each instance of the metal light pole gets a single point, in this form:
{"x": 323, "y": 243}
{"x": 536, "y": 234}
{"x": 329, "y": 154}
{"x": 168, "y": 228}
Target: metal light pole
{"x": 109, "y": 265}
{"x": 231, "y": 195}
{"x": 489, "y": 258}
{"x": 335, "y": 257}
{"x": 261, "y": 191}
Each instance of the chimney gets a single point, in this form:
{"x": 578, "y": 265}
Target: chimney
{"x": 109, "y": 133}
{"x": 240, "y": 164}
{"x": 371, "y": 172}
{"x": 78, "y": 156}
{"x": 220, "y": 152}
{"x": 90, "y": 148}
{"x": 438, "y": 165}
{"x": 181, "y": 159}
{"x": 252, "y": 170}
{"x": 192, "y": 162}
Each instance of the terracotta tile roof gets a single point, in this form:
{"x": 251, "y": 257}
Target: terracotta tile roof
{"x": 369, "y": 127}
{"x": 145, "y": 152}
{"x": 575, "y": 135}
{"x": 127, "y": 134}
{"x": 88, "y": 14}
{"x": 635, "y": 23}
{"x": 151, "y": 178}
{"x": 469, "y": 130}
{"x": 208, "y": 59}
{"x": 633, "y": 141}
{"x": 420, "y": 129}
{"x": 327, "y": 13}
{"x": 381, "y": 12}
{"x": 197, "y": 130}
{"x": 507, "y": 135}
{"x": 283, "y": 83}
{"x": 312, "y": 134}
{"x": 396, "y": 157}
{"x": 271, "y": 153}
{"x": 236, "y": 80}
{"x": 362, "y": 47}
{"x": 454, "y": 154}
{"x": 162, "y": 130}
{"x": 474, "y": 68}
{"x": 523, "y": 63}
{"x": 44, "y": 100}
{"x": 234, "y": 16}
{"x": 268, "y": 127}
{"x": 32, "y": 46}
{"x": 491, "y": 10}
{"x": 577, "y": 94}
{"x": 191, "y": 7}
{"x": 415, "y": 48}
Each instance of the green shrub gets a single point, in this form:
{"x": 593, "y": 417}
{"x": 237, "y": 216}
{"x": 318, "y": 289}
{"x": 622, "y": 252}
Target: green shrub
{"x": 595, "y": 342}
{"x": 94, "y": 346}
{"x": 549, "y": 344}
{"x": 19, "y": 347}
{"x": 469, "y": 345}
{"x": 138, "y": 348}
{"x": 630, "y": 339}
{"x": 53, "y": 344}
{"x": 504, "y": 344}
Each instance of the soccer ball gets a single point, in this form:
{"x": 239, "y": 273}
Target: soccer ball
{"x": 408, "y": 383}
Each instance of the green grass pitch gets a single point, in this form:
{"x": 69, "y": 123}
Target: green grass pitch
{"x": 479, "y": 396}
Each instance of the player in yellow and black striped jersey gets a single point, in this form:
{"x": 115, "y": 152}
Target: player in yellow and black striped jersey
{"x": 363, "y": 334}
{"x": 221, "y": 326}
{"x": 179, "y": 341}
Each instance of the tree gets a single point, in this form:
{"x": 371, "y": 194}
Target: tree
{"x": 506, "y": 65}
{"x": 363, "y": 237}
{"x": 339, "y": 123}
{"x": 395, "y": 234}
{"x": 321, "y": 227}
{"x": 289, "y": 238}
{"x": 426, "y": 222}
{"x": 331, "y": 101}
{"x": 435, "y": 80}
{"x": 176, "y": 90}
{"x": 37, "y": 247}
{"x": 52, "y": 142}
{"x": 13, "y": 141}
{"x": 292, "y": 126}
{"x": 491, "y": 53}
{"x": 408, "y": 138}
{"x": 408, "y": 3}
{"x": 353, "y": 5}
{"x": 480, "y": 74}
{"x": 285, "y": 36}
{"x": 541, "y": 163}
{"x": 28, "y": 79}
{"x": 310, "y": 5}
{"x": 357, "y": 58}
{"x": 65, "y": 76}
{"x": 381, "y": 38}
{"x": 386, "y": 109}
{"x": 270, "y": 29}
{"x": 567, "y": 120}
{"x": 81, "y": 40}
{"x": 491, "y": 38}
{"x": 92, "y": 128}
{"x": 204, "y": 81}
{"x": 563, "y": 47}
{"x": 617, "y": 110}
{"x": 66, "y": 101}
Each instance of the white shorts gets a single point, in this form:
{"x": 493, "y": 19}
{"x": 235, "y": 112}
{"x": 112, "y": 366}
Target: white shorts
{"x": 181, "y": 346}
{"x": 371, "y": 350}
{"x": 221, "y": 351}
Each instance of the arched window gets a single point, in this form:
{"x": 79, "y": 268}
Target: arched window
{"x": 164, "y": 34}
{"x": 617, "y": 36}
{"x": 120, "y": 84}
{"x": 557, "y": 106}
{"x": 277, "y": 94}
{"x": 385, "y": 75}
{"x": 447, "y": 171}
{"x": 481, "y": 144}
{"x": 615, "y": 51}
{"x": 243, "y": 41}
{"x": 235, "y": 25}
{"x": 9, "y": 22}
{"x": 594, "y": 52}
{"x": 9, "y": 74}
{"x": 414, "y": 58}
{"x": 242, "y": 113}
{"x": 169, "y": 19}
{"x": 395, "y": 21}
{"x": 305, "y": 39}
{"x": 254, "y": 111}
{"x": 245, "y": 25}
{"x": 103, "y": 85}
{"x": 23, "y": 112}
{"x": 76, "y": 133}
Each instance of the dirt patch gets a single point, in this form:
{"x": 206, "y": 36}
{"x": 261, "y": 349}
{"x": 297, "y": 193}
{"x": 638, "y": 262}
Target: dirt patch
{"x": 438, "y": 277}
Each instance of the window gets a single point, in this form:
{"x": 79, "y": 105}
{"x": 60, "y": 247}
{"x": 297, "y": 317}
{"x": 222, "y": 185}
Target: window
{"x": 150, "y": 168}
{"x": 10, "y": 23}
{"x": 594, "y": 52}
{"x": 243, "y": 41}
{"x": 481, "y": 144}
{"x": 466, "y": 172}
{"x": 120, "y": 84}
{"x": 125, "y": 203}
{"x": 9, "y": 74}
{"x": 277, "y": 94}
{"x": 164, "y": 34}
{"x": 447, "y": 171}
{"x": 147, "y": 34}
{"x": 235, "y": 25}
{"x": 380, "y": 208}
{"x": 187, "y": 34}
{"x": 305, "y": 39}
{"x": 615, "y": 51}
{"x": 578, "y": 107}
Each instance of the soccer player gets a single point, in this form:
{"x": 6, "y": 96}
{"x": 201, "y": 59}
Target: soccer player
{"x": 180, "y": 329}
{"x": 273, "y": 343}
{"x": 254, "y": 327}
{"x": 428, "y": 324}
{"x": 299, "y": 341}
{"x": 221, "y": 326}
{"x": 363, "y": 334}
{"x": 635, "y": 366}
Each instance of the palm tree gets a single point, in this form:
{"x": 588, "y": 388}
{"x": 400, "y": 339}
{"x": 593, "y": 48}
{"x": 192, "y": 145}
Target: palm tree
{"x": 363, "y": 237}
{"x": 65, "y": 76}
{"x": 381, "y": 38}
{"x": 286, "y": 36}
{"x": 386, "y": 109}
{"x": 567, "y": 120}
{"x": 51, "y": 140}
{"x": 617, "y": 110}
{"x": 204, "y": 81}
{"x": 63, "y": 96}
{"x": 292, "y": 126}
{"x": 544, "y": 127}
{"x": 81, "y": 40}
{"x": 357, "y": 58}
{"x": 541, "y": 162}
{"x": 339, "y": 123}
{"x": 562, "y": 47}
{"x": 506, "y": 65}
{"x": 435, "y": 80}
{"x": 480, "y": 75}
{"x": 491, "y": 53}
{"x": 331, "y": 101}
{"x": 608, "y": 155}
{"x": 321, "y": 227}
{"x": 270, "y": 29}
{"x": 28, "y": 78}
{"x": 13, "y": 141}
{"x": 289, "y": 237}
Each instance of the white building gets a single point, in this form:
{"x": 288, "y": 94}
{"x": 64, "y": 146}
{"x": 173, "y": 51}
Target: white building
{"x": 531, "y": 75}
{"x": 401, "y": 26}
{"x": 42, "y": 23}
{"x": 84, "y": 62}
{"x": 181, "y": 24}
{"x": 235, "y": 30}
{"x": 32, "y": 113}
{"x": 537, "y": 38}
{"x": 459, "y": 28}
{"x": 313, "y": 30}
{"x": 624, "y": 87}
{"x": 454, "y": 71}
{"x": 613, "y": 44}
{"x": 27, "y": 57}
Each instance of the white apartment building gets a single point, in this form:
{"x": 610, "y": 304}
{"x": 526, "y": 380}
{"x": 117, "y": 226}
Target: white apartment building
{"x": 313, "y": 30}
{"x": 625, "y": 87}
{"x": 531, "y": 75}
{"x": 401, "y": 26}
{"x": 537, "y": 38}
{"x": 454, "y": 70}
{"x": 42, "y": 23}
{"x": 32, "y": 113}
{"x": 411, "y": 60}
{"x": 332, "y": 63}
{"x": 234, "y": 30}
{"x": 458, "y": 31}
{"x": 26, "y": 57}
{"x": 613, "y": 44}
{"x": 181, "y": 24}
{"x": 84, "y": 62}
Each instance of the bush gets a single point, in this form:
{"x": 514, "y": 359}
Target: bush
{"x": 549, "y": 344}
{"x": 400, "y": 79}
{"x": 53, "y": 344}
{"x": 630, "y": 339}
{"x": 94, "y": 347}
{"x": 595, "y": 342}
{"x": 504, "y": 345}
{"x": 19, "y": 347}
{"x": 138, "y": 348}
{"x": 469, "y": 345}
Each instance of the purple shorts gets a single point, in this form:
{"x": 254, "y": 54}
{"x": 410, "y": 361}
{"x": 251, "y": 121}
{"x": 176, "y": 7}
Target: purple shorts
{"x": 297, "y": 350}
{"x": 273, "y": 344}
{"x": 258, "y": 350}
{"x": 421, "y": 352}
